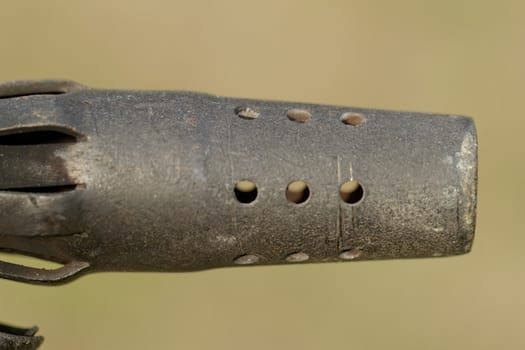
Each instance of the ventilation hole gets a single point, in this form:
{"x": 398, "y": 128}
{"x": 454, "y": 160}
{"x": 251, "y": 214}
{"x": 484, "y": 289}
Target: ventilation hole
{"x": 299, "y": 115}
{"x": 297, "y": 257}
{"x": 246, "y": 112}
{"x": 247, "y": 259}
{"x": 297, "y": 192}
{"x": 351, "y": 192}
{"x": 350, "y": 254}
{"x": 43, "y": 189}
{"x": 353, "y": 119}
{"x": 245, "y": 191}
{"x": 28, "y": 261}
{"x": 19, "y": 137}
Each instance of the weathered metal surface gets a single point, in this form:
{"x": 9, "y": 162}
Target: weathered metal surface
{"x": 103, "y": 180}
{"x": 12, "y": 338}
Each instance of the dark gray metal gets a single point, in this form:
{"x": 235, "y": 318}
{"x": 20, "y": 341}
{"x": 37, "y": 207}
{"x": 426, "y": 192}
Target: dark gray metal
{"x": 12, "y": 338}
{"x": 103, "y": 180}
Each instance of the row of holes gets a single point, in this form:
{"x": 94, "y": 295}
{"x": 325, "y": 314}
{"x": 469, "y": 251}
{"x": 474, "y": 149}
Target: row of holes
{"x": 301, "y": 115}
{"x": 298, "y": 192}
{"x": 296, "y": 257}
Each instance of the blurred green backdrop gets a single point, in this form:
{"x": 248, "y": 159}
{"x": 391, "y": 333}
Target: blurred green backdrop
{"x": 451, "y": 56}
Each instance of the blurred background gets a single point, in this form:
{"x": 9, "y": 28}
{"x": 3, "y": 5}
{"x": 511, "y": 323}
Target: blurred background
{"x": 449, "y": 56}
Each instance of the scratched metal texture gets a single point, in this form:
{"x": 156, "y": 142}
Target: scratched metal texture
{"x": 155, "y": 173}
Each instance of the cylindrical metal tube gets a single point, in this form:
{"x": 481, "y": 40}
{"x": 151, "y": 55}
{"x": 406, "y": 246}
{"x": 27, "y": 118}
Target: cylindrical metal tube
{"x": 105, "y": 180}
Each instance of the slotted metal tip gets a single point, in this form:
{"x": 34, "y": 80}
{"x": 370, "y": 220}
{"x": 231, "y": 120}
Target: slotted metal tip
{"x": 110, "y": 180}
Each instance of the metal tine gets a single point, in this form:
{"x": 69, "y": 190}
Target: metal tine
{"x": 39, "y": 108}
{"x": 26, "y": 274}
{"x": 33, "y": 167}
{"x": 31, "y": 87}
{"x": 41, "y": 214}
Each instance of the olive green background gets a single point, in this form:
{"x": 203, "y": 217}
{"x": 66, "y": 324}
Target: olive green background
{"x": 451, "y": 56}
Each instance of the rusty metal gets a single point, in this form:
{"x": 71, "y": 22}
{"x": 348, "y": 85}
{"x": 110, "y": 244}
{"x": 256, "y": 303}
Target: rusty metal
{"x": 106, "y": 180}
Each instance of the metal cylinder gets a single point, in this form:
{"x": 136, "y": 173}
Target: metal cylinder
{"x": 105, "y": 180}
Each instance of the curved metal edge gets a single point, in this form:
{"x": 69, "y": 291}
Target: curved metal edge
{"x": 32, "y": 275}
{"x": 32, "y": 87}
{"x": 468, "y": 164}
{"x": 19, "y": 338}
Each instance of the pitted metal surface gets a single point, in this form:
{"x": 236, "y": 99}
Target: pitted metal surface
{"x": 13, "y": 338}
{"x": 108, "y": 180}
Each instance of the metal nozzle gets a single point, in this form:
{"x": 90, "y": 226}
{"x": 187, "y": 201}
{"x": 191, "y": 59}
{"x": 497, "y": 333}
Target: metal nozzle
{"x": 105, "y": 180}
